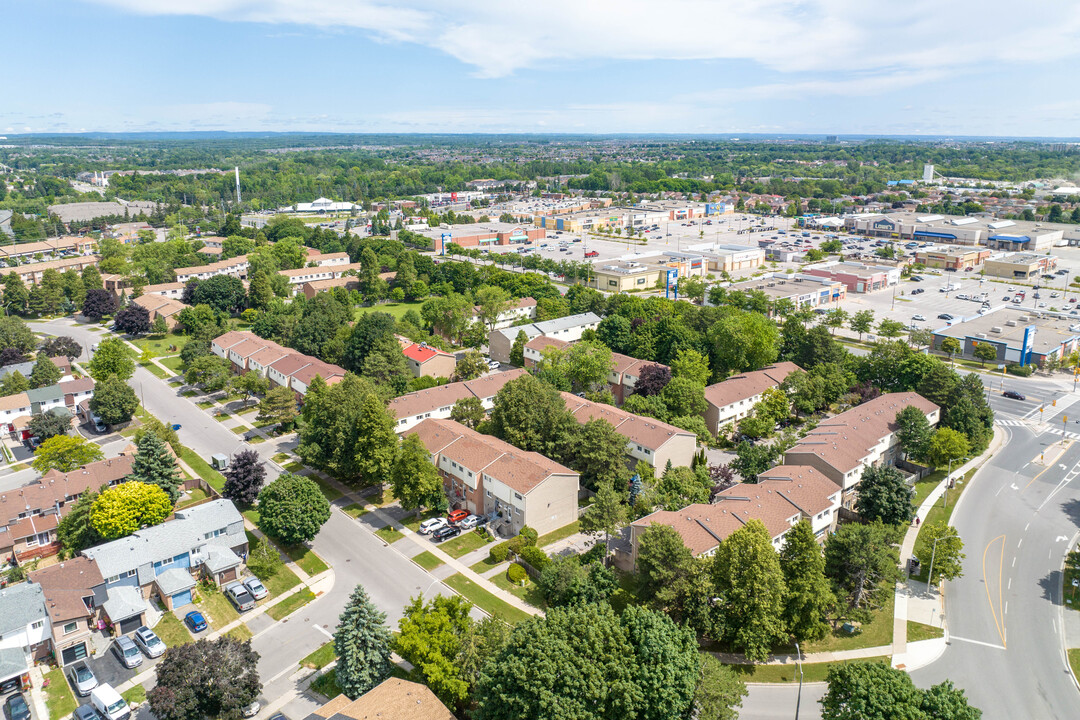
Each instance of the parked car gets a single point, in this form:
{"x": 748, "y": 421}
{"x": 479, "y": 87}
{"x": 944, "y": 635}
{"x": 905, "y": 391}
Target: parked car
{"x": 251, "y": 710}
{"x": 1005, "y": 299}
{"x": 16, "y": 707}
{"x": 445, "y": 533}
{"x": 456, "y": 516}
{"x": 195, "y": 621}
{"x": 1014, "y": 395}
{"x": 82, "y": 678}
{"x": 430, "y": 526}
{"x": 918, "y": 317}
{"x": 256, "y": 588}
{"x": 87, "y": 712}
{"x": 239, "y": 596}
{"x": 127, "y": 652}
{"x": 108, "y": 702}
{"x": 469, "y": 523}
{"x": 944, "y": 316}
{"x": 149, "y": 642}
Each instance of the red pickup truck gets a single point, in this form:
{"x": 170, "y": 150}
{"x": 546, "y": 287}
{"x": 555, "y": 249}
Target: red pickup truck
{"x": 592, "y": 253}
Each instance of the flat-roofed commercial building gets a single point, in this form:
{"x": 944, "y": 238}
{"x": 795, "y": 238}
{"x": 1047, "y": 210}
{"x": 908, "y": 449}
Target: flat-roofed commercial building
{"x": 858, "y": 278}
{"x": 1014, "y": 235}
{"x": 1020, "y": 266}
{"x": 804, "y": 291}
{"x": 1018, "y": 335}
{"x": 952, "y": 258}
{"x": 482, "y": 235}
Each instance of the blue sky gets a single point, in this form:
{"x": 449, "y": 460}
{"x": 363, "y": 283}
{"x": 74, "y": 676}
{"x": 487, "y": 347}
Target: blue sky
{"x": 952, "y": 67}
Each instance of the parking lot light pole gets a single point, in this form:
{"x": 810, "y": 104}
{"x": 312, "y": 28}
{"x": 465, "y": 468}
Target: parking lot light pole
{"x": 798, "y": 662}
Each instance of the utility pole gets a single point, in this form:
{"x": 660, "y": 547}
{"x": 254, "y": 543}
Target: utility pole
{"x": 798, "y": 662}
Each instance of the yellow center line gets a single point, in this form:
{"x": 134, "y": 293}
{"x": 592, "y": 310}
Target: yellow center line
{"x": 1000, "y": 625}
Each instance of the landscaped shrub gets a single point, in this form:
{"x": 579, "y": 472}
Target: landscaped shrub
{"x": 516, "y": 574}
{"x": 498, "y": 553}
{"x": 523, "y": 539}
{"x": 535, "y": 557}
{"x": 1020, "y": 370}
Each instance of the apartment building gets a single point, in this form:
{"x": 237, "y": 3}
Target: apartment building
{"x": 841, "y": 447}
{"x": 51, "y": 247}
{"x": 567, "y": 329}
{"x": 206, "y": 540}
{"x": 312, "y": 288}
{"x": 521, "y": 309}
{"x": 648, "y": 439}
{"x": 32, "y": 273}
{"x": 731, "y": 400}
{"x": 413, "y": 408}
{"x": 487, "y": 476}
{"x": 326, "y": 259}
{"x": 237, "y": 267}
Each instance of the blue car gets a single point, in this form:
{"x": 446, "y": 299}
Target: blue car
{"x": 195, "y": 621}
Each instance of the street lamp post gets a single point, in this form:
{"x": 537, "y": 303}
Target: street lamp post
{"x": 798, "y": 662}
{"x": 933, "y": 553}
{"x": 948, "y": 480}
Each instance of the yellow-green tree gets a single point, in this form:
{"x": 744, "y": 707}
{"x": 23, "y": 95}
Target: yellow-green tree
{"x": 122, "y": 509}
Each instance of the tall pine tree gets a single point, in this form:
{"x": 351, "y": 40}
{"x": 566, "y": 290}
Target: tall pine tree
{"x": 362, "y": 642}
{"x": 809, "y": 596}
{"x": 154, "y": 464}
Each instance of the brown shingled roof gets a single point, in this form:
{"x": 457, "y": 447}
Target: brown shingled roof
{"x": 54, "y": 486}
{"x": 392, "y": 699}
{"x": 643, "y": 431}
{"x": 65, "y": 585}
{"x": 748, "y": 385}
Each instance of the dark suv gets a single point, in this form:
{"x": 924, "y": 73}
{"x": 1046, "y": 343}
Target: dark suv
{"x": 445, "y": 533}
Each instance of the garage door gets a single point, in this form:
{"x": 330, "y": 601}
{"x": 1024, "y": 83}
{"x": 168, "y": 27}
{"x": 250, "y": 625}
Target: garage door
{"x": 73, "y": 653}
{"x": 181, "y": 599}
{"x": 130, "y": 625}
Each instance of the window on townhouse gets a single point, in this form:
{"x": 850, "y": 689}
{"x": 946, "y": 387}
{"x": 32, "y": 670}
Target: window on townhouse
{"x": 37, "y": 624}
{"x": 71, "y": 627}
{"x": 517, "y": 495}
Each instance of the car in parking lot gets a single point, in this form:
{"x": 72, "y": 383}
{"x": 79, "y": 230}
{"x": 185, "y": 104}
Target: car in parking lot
{"x": 430, "y": 526}
{"x": 16, "y": 708}
{"x": 195, "y": 621}
{"x": 240, "y": 597}
{"x": 456, "y": 516}
{"x": 1005, "y": 299}
{"x": 445, "y": 533}
{"x": 251, "y": 710}
{"x": 149, "y": 642}
{"x": 82, "y": 678}
{"x": 944, "y": 316}
{"x": 469, "y": 523}
{"x": 127, "y": 652}
{"x": 918, "y": 317}
{"x": 256, "y": 588}
{"x": 1014, "y": 395}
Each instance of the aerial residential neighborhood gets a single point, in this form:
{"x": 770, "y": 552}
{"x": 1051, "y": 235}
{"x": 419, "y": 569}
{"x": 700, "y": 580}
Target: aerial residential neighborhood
{"x": 539, "y": 362}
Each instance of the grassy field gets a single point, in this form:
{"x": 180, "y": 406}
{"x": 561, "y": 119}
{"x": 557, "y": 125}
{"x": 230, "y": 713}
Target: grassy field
{"x": 172, "y": 631}
{"x": 389, "y": 534}
{"x": 173, "y": 363}
{"x": 355, "y": 510}
{"x": 134, "y": 696}
{"x": 167, "y": 344}
{"x": 530, "y": 593}
{"x": 308, "y": 561}
{"x": 812, "y": 672}
{"x": 485, "y": 600}
{"x": 320, "y": 658}
{"x": 158, "y": 372}
{"x": 398, "y": 310}
{"x": 251, "y": 514}
{"x": 427, "y": 561}
{"x": 1074, "y": 662}
{"x": 560, "y": 534}
{"x": 940, "y": 513}
{"x": 462, "y": 544}
{"x": 58, "y": 696}
{"x": 200, "y": 466}
{"x": 218, "y": 611}
{"x": 917, "y": 631}
{"x": 280, "y": 457}
{"x": 875, "y": 633}
{"x": 926, "y": 485}
{"x": 291, "y": 604}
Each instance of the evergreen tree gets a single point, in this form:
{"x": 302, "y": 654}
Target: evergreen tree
{"x": 277, "y": 406}
{"x": 362, "y": 642}
{"x": 155, "y": 465}
{"x": 517, "y": 350}
{"x": 808, "y": 597}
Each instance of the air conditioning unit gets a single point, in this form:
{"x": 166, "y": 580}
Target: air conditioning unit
{"x": 995, "y": 329}
{"x": 1010, "y": 323}
{"x": 981, "y": 335}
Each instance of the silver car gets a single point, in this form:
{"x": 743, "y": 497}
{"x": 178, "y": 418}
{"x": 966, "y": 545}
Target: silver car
{"x": 256, "y": 588}
{"x": 149, "y": 642}
{"x": 82, "y": 678}
{"x": 127, "y": 652}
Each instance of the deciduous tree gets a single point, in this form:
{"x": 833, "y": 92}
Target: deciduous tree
{"x": 948, "y": 557}
{"x": 292, "y": 509}
{"x": 884, "y": 496}
{"x": 51, "y": 423}
{"x": 62, "y": 345}
{"x": 945, "y": 445}
{"x": 469, "y": 411}
{"x": 861, "y": 561}
{"x": 122, "y": 509}
{"x": 808, "y": 598}
{"x": 414, "y": 479}
{"x": 98, "y": 303}
{"x": 205, "y": 679}
{"x": 277, "y": 406}
{"x": 76, "y": 531}
{"x": 210, "y": 372}
{"x": 45, "y": 373}
{"x": 914, "y": 432}
{"x": 429, "y": 638}
{"x": 663, "y": 564}
{"x": 112, "y": 358}
{"x": 133, "y": 319}
{"x": 719, "y": 691}
{"x": 114, "y": 401}
{"x": 65, "y": 453}
{"x": 870, "y": 691}
{"x": 471, "y": 366}
{"x": 244, "y": 477}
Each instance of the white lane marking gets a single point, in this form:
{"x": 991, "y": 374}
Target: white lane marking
{"x": 1025, "y": 465}
{"x": 1061, "y": 538}
{"x": 1026, "y": 527}
{"x": 1006, "y": 608}
{"x": 1021, "y": 542}
{"x": 976, "y": 642}
{"x": 1014, "y": 562}
{"x": 1010, "y": 585}
{"x": 324, "y": 631}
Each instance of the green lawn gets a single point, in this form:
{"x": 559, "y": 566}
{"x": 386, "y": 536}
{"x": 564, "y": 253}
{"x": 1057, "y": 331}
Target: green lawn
{"x": 331, "y": 492}
{"x": 530, "y": 593}
{"x": 875, "y": 633}
{"x": 190, "y": 393}
{"x": 281, "y": 581}
{"x": 326, "y": 685}
{"x": 427, "y": 561}
{"x": 308, "y": 561}
{"x": 200, "y": 466}
{"x": 218, "y": 610}
{"x": 463, "y": 544}
{"x": 173, "y": 363}
{"x": 389, "y": 534}
{"x": 924, "y": 487}
{"x": 917, "y": 631}
{"x": 158, "y": 372}
{"x": 355, "y": 510}
{"x": 172, "y": 631}
{"x": 294, "y": 467}
{"x": 251, "y": 514}
{"x": 168, "y": 344}
{"x": 812, "y": 672}
{"x": 194, "y": 496}
{"x": 485, "y": 600}
{"x": 241, "y": 632}
{"x": 58, "y": 696}
{"x": 1074, "y": 662}
{"x": 247, "y": 410}
{"x": 560, "y": 534}
{"x": 940, "y": 513}
{"x": 398, "y": 310}
{"x": 320, "y": 658}
{"x": 291, "y": 604}
{"x": 280, "y": 457}
{"x": 239, "y": 429}
{"x": 205, "y": 404}
{"x": 483, "y": 566}
{"x": 135, "y": 696}
{"x": 256, "y": 439}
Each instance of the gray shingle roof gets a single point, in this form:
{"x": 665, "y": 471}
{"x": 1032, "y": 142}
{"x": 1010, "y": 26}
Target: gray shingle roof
{"x": 570, "y": 321}
{"x": 174, "y": 580}
{"x": 220, "y": 558}
{"x": 12, "y": 662}
{"x": 169, "y": 539}
{"x": 124, "y": 601}
{"x": 21, "y": 605}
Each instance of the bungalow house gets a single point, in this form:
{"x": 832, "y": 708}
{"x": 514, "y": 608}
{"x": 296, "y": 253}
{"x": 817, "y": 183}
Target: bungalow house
{"x": 392, "y": 699}
{"x": 733, "y": 399}
{"x": 24, "y": 631}
{"x": 206, "y": 540}
{"x": 74, "y": 592}
{"x": 841, "y": 447}
{"x": 437, "y": 402}
{"x": 648, "y": 439}
{"x": 488, "y": 476}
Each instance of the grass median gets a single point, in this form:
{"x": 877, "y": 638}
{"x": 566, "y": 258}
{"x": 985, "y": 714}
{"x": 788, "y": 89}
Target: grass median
{"x": 811, "y": 672}
{"x": 291, "y": 604}
{"x": 203, "y": 469}
{"x": 306, "y": 559}
{"x": 486, "y": 601}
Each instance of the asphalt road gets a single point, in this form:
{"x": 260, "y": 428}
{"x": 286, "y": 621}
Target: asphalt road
{"x": 355, "y": 554}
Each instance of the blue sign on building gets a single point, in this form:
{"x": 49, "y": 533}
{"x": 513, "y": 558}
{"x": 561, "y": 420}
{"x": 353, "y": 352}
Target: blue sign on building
{"x": 1029, "y": 343}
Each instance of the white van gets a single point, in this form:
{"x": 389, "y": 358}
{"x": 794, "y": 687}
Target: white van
{"x": 108, "y": 702}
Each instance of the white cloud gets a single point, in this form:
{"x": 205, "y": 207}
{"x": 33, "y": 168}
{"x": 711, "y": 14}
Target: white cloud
{"x": 498, "y": 39}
